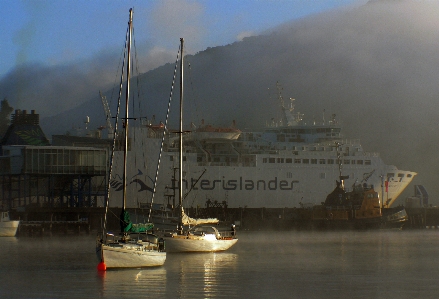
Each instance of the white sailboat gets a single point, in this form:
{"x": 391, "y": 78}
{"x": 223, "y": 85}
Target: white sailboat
{"x": 205, "y": 235}
{"x": 125, "y": 251}
{"x": 8, "y": 227}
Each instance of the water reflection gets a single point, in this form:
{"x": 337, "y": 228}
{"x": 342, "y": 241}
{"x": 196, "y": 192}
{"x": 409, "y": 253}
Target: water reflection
{"x": 129, "y": 283}
{"x": 201, "y": 274}
{"x": 186, "y": 275}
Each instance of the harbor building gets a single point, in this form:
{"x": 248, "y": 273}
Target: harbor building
{"x": 69, "y": 173}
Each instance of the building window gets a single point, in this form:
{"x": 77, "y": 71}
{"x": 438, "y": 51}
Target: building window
{"x": 297, "y": 161}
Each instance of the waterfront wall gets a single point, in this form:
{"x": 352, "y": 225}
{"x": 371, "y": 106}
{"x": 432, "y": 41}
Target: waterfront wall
{"x": 90, "y": 220}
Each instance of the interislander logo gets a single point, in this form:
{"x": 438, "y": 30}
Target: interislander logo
{"x": 117, "y": 185}
{"x": 240, "y": 184}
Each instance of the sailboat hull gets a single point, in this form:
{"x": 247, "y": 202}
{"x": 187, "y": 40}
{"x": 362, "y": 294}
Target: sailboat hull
{"x": 185, "y": 244}
{"x": 130, "y": 256}
{"x": 9, "y": 228}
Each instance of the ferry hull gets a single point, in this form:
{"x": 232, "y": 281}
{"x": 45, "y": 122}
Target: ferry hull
{"x": 272, "y": 179}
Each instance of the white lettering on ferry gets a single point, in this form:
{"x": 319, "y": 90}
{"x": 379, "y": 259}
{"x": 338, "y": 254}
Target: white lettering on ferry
{"x": 242, "y": 184}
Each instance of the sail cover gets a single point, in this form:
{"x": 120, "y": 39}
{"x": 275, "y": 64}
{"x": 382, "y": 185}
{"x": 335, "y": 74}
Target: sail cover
{"x": 186, "y": 220}
{"x": 128, "y": 227}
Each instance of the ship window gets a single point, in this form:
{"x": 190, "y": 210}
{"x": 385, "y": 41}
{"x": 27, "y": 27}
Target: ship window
{"x": 288, "y": 160}
{"x": 330, "y": 161}
{"x": 400, "y": 175}
{"x": 313, "y": 161}
{"x": 409, "y": 175}
{"x": 305, "y": 161}
{"x": 184, "y": 158}
{"x": 367, "y": 162}
{"x": 322, "y": 161}
{"x": 171, "y": 158}
{"x": 360, "y": 162}
{"x": 271, "y": 160}
{"x": 390, "y": 175}
{"x": 297, "y": 161}
{"x": 280, "y": 160}
{"x": 347, "y": 162}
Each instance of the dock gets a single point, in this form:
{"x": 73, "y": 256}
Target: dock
{"x": 42, "y": 221}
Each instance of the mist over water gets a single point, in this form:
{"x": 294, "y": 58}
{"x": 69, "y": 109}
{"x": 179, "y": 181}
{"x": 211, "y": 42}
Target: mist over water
{"x": 290, "y": 264}
{"x": 374, "y": 66}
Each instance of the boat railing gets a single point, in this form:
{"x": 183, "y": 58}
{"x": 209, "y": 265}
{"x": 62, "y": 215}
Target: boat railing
{"x": 227, "y": 234}
{"x": 338, "y": 208}
{"x": 343, "y": 207}
{"x": 236, "y": 164}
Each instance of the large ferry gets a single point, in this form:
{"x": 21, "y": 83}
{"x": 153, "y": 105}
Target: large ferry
{"x": 287, "y": 164}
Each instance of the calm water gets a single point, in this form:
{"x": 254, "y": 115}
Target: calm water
{"x": 380, "y": 264}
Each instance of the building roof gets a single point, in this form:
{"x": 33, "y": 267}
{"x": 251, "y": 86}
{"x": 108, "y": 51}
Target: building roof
{"x": 24, "y": 130}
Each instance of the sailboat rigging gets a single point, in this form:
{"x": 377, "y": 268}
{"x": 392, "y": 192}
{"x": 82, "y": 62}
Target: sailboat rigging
{"x": 146, "y": 250}
{"x": 205, "y": 235}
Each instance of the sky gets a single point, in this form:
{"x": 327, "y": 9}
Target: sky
{"x": 65, "y": 32}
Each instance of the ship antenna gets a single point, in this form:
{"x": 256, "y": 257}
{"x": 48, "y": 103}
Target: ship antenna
{"x": 342, "y": 177}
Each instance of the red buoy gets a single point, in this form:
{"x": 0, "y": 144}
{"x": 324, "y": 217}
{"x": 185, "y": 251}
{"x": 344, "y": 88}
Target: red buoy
{"x": 102, "y": 266}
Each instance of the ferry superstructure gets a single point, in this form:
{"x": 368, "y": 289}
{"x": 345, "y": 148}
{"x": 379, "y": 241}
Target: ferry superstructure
{"x": 288, "y": 165}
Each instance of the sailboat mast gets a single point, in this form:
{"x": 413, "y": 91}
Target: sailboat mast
{"x": 180, "y": 193}
{"x": 125, "y": 149}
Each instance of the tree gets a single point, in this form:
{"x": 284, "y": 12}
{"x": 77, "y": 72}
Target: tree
{"x": 5, "y": 112}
